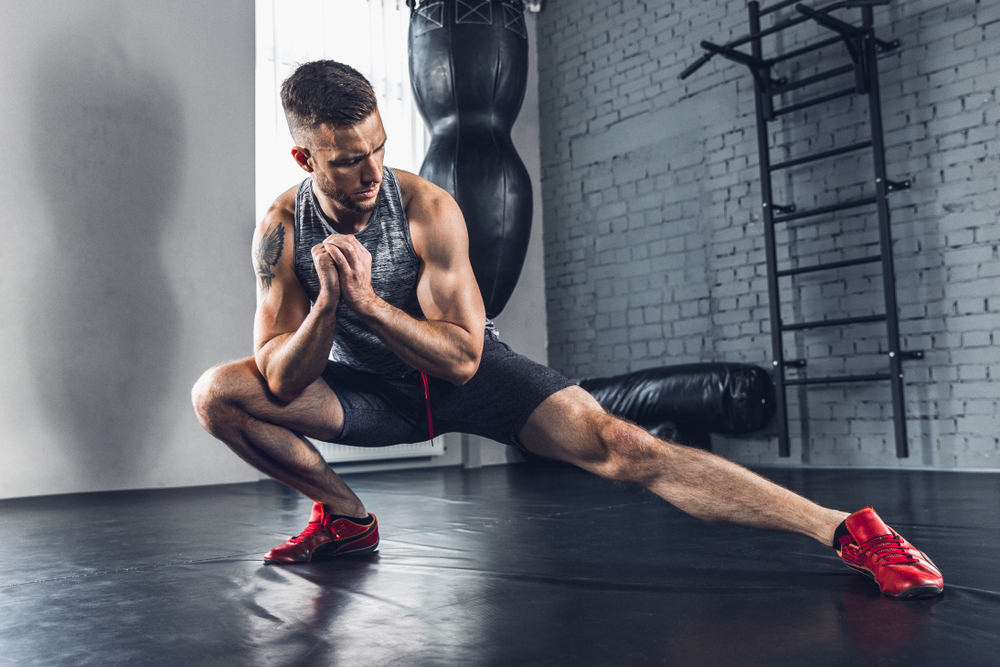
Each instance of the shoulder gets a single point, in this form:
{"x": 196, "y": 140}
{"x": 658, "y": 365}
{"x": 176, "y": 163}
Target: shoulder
{"x": 433, "y": 214}
{"x": 278, "y": 221}
{"x": 280, "y": 212}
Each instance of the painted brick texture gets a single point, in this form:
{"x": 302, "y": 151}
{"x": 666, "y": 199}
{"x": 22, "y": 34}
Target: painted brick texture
{"x": 654, "y": 247}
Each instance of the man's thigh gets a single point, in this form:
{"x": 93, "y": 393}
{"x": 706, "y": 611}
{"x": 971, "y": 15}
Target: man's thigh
{"x": 377, "y": 412}
{"x": 316, "y": 412}
{"x": 500, "y": 397}
{"x": 567, "y": 426}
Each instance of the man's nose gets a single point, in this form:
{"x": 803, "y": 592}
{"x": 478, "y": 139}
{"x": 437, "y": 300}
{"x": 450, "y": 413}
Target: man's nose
{"x": 371, "y": 171}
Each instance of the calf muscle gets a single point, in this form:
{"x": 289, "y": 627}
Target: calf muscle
{"x": 234, "y": 404}
{"x": 571, "y": 426}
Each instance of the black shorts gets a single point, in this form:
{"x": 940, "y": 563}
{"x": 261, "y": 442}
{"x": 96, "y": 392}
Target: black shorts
{"x": 495, "y": 403}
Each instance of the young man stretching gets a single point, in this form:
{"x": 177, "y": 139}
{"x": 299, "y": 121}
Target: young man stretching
{"x": 370, "y": 327}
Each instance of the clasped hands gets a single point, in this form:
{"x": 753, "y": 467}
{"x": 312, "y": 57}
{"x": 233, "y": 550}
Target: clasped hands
{"x": 344, "y": 268}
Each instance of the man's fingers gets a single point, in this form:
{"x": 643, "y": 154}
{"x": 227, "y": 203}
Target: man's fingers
{"x": 337, "y": 256}
{"x": 339, "y": 240}
{"x": 336, "y": 248}
{"x": 348, "y": 244}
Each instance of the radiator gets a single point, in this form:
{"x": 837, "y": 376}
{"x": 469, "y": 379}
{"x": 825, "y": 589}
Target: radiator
{"x": 346, "y": 453}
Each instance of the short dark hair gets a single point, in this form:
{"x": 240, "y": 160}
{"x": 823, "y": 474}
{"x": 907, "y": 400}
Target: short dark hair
{"x": 325, "y": 92}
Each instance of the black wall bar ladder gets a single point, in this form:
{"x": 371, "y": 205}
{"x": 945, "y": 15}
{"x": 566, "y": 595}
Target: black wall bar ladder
{"x": 863, "y": 48}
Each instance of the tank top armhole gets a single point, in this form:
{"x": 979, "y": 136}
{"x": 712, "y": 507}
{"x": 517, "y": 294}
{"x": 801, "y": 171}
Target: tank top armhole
{"x": 398, "y": 195}
{"x": 296, "y": 224}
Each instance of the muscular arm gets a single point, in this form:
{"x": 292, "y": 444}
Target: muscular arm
{"x": 449, "y": 343}
{"x": 291, "y": 342}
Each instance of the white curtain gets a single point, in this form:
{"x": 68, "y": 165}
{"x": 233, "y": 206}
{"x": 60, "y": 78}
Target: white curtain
{"x": 369, "y": 35}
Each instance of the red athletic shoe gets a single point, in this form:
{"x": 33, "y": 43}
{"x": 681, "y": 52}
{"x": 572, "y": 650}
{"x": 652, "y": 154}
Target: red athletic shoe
{"x": 326, "y": 537}
{"x": 876, "y": 550}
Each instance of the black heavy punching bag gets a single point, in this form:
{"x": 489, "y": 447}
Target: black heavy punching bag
{"x": 469, "y": 69}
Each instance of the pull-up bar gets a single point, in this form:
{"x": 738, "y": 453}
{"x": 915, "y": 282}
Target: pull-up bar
{"x": 807, "y": 13}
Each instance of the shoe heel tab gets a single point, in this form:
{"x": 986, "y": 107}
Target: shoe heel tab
{"x": 318, "y": 513}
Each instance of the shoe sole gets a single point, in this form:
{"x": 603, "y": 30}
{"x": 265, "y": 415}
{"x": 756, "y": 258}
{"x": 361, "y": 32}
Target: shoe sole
{"x": 323, "y": 554}
{"x": 907, "y": 594}
{"x": 918, "y": 592}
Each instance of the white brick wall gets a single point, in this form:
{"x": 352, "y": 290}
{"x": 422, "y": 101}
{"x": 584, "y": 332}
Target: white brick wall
{"x": 653, "y": 241}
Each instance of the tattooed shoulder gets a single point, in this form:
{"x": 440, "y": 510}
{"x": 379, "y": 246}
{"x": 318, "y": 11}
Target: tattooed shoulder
{"x": 267, "y": 253}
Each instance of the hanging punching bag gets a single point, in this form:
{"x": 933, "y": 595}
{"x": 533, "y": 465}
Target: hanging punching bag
{"x": 469, "y": 70}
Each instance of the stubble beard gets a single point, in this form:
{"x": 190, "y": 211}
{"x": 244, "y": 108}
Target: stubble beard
{"x": 347, "y": 201}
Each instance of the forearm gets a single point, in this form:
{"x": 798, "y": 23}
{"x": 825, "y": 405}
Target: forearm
{"x": 291, "y": 362}
{"x": 441, "y": 349}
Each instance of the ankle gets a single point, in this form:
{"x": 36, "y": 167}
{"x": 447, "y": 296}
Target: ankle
{"x": 833, "y": 528}
{"x": 353, "y": 512}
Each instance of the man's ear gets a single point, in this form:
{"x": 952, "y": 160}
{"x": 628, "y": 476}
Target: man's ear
{"x": 301, "y": 157}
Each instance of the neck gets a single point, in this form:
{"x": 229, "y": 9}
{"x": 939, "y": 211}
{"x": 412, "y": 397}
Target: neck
{"x": 343, "y": 220}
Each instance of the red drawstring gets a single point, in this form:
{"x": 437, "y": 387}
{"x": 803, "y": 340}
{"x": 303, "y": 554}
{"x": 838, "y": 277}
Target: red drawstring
{"x": 427, "y": 397}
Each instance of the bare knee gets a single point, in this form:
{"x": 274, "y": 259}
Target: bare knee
{"x": 571, "y": 426}
{"x": 630, "y": 454}
{"x": 213, "y": 395}
{"x": 206, "y": 396}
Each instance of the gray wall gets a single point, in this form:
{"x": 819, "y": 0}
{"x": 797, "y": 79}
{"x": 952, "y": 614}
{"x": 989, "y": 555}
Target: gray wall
{"x": 126, "y": 144}
{"x": 653, "y": 242}
{"x": 126, "y": 136}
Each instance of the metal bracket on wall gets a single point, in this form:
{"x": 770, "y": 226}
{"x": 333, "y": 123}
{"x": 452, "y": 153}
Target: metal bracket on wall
{"x": 895, "y": 185}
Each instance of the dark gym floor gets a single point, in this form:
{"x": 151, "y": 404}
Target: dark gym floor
{"x": 514, "y": 565}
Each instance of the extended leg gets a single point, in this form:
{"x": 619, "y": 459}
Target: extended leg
{"x": 571, "y": 426}
{"x": 233, "y": 404}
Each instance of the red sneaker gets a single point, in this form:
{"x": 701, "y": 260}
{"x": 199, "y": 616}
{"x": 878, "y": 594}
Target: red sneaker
{"x": 876, "y": 550}
{"x": 326, "y": 537}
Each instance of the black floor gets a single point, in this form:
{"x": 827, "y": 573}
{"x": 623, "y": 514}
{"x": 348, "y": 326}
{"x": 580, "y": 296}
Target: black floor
{"x": 501, "y": 566}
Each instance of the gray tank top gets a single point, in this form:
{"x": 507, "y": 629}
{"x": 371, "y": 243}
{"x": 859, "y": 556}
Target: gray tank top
{"x": 394, "y": 274}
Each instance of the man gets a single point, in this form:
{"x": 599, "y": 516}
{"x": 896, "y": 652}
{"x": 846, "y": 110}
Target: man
{"x": 370, "y": 330}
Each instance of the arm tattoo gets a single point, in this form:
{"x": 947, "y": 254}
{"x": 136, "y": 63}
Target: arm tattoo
{"x": 268, "y": 253}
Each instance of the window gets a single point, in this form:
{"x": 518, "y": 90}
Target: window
{"x": 369, "y": 35}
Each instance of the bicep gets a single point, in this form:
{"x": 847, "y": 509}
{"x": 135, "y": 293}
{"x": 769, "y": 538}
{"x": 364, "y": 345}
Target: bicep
{"x": 447, "y": 288}
{"x": 282, "y": 304}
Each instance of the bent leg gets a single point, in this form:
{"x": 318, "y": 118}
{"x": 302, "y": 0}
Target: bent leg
{"x": 572, "y": 426}
{"x": 233, "y": 403}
